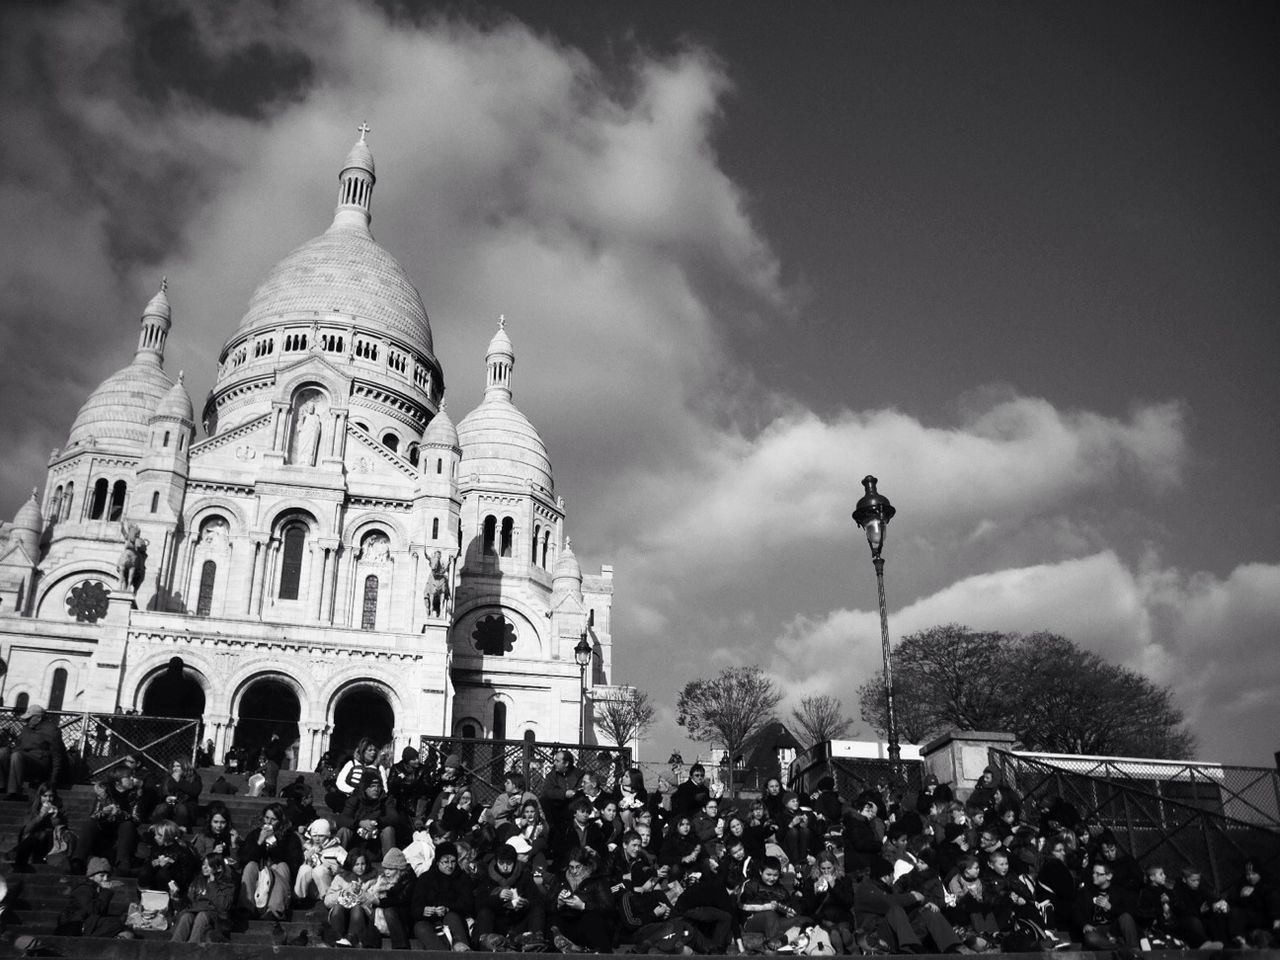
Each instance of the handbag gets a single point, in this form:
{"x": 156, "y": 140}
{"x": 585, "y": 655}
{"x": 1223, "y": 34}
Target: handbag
{"x": 262, "y": 890}
{"x": 152, "y": 914}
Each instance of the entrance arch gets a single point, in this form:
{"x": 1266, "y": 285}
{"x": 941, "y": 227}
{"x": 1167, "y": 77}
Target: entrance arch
{"x": 360, "y": 710}
{"x": 268, "y": 704}
{"x": 174, "y": 693}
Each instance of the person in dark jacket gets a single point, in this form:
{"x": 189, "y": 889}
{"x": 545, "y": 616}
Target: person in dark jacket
{"x": 692, "y": 794}
{"x": 580, "y": 908}
{"x": 88, "y": 911}
{"x": 1104, "y": 912}
{"x": 273, "y": 847}
{"x": 407, "y": 784}
{"x": 580, "y": 831}
{"x": 826, "y": 895}
{"x": 863, "y": 834}
{"x": 1200, "y": 914}
{"x": 899, "y": 919}
{"x": 37, "y": 756}
{"x": 766, "y": 906}
{"x": 204, "y": 911}
{"x": 559, "y": 787}
{"x": 38, "y": 832}
{"x": 180, "y": 795}
{"x": 443, "y": 898}
{"x": 510, "y": 910}
{"x": 169, "y": 860}
{"x": 369, "y": 819}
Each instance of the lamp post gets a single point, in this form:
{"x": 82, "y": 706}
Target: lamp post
{"x": 873, "y": 514}
{"x": 582, "y": 654}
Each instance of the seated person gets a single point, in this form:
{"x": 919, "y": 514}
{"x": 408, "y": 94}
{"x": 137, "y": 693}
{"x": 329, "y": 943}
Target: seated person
{"x": 1103, "y": 917}
{"x": 510, "y": 911}
{"x": 347, "y": 904}
{"x": 169, "y": 861}
{"x": 270, "y": 856}
{"x": 581, "y": 910}
{"x": 322, "y": 858}
{"x": 1200, "y": 913}
{"x": 108, "y": 831}
{"x": 765, "y": 905}
{"x": 203, "y": 911}
{"x": 389, "y": 898}
{"x": 88, "y": 912}
{"x": 180, "y": 795}
{"x": 369, "y": 819}
{"x": 45, "y": 824}
{"x": 37, "y": 756}
{"x": 442, "y": 899}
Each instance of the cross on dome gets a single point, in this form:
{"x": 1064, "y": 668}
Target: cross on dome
{"x": 363, "y": 129}
{"x": 502, "y": 321}
{"x": 164, "y": 284}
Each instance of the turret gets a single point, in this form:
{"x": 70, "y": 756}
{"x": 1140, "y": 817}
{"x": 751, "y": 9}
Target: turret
{"x": 355, "y": 187}
{"x": 162, "y": 475}
{"x": 438, "y": 499}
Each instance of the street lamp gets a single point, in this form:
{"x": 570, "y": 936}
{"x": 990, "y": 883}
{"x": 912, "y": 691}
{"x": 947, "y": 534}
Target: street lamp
{"x": 873, "y": 514}
{"x": 582, "y": 654}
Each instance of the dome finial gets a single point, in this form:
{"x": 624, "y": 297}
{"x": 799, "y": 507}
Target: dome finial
{"x": 355, "y": 186}
{"x": 499, "y": 359}
{"x": 502, "y": 321}
{"x": 164, "y": 284}
{"x": 363, "y": 129}
{"x": 182, "y": 375}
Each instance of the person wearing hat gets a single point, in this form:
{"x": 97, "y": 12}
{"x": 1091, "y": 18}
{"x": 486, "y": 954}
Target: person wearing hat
{"x": 88, "y": 910}
{"x": 38, "y": 756}
{"x": 510, "y": 910}
{"x": 322, "y": 858}
{"x": 388, "y": 898}
{"x": 443, "y": 899}
{"x": 407, "y": 784}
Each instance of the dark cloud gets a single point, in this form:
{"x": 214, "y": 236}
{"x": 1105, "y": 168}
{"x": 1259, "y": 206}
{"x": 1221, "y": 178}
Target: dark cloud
{"x": 172, "y": 56}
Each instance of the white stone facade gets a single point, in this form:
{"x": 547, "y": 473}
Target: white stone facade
{"x": 290, "y": 552}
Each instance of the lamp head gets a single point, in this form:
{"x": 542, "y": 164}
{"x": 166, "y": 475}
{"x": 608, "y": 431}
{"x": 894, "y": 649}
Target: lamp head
{"x": 873, "y": 514}
{"x": 582, "y": 652}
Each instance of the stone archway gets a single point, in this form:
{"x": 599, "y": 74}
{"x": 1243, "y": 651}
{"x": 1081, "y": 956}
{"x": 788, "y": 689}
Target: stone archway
{"x": 360, "y": 710}
{"x": 267, "y": 705}
{"x": 176, "y": 691}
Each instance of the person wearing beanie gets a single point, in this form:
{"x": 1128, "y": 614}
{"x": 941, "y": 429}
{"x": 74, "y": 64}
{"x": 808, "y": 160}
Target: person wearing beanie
{"x": 322, "y": 857}
{"x": 388, "y": 898}
{"x": 510, "y": 911}
{"x": 88, "y": 909}
{"x": 442, "y": 901}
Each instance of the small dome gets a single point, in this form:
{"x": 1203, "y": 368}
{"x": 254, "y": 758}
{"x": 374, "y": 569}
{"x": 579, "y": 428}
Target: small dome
{"x": 498, "y": 442}
{"x": 28, "y": 516}
{"x": 159, "y": 304}
{"x": 341, "y": 271}
{"x": 441, "y": 432}
{"x": 121, "y": 407}
{"x": 500, "y": 345}
{"x": 360, "y": 157}
{"x": 567, "y": 566}
{"x": 177, "y": 403}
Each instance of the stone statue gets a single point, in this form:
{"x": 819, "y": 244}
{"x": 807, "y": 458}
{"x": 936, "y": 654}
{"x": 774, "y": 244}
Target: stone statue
{"x": 306, "y": 437}
{"x": 437, "y": 593}
{"x": 132, "y": 565}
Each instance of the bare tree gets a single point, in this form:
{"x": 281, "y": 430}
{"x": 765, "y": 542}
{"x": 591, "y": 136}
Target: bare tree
{"x": 821, "y": 718}
{"x": 625, "y": 718}
{"x": 730, "y": 709}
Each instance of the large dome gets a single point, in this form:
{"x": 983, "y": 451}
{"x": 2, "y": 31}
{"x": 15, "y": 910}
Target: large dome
{"x": 498, "y": 442}
{"x": 345, "y": 271}
{"x": 120, "y": 408}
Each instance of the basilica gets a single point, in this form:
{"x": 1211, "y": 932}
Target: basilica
{"x": 322, "y": 551}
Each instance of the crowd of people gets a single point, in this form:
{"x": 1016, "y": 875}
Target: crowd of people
{"x": 405, "y": 851}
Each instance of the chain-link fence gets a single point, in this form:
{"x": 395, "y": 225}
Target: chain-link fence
{"x": 98, "y": 741}
{"x": 487, "y": 762}
{"x": 1173, "y": 814}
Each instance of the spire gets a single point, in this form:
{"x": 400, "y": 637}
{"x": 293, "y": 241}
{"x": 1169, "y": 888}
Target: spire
{"x": 499, "y": 360}
{"x": 156, "y": 320}
{"x": 355, "y": 186}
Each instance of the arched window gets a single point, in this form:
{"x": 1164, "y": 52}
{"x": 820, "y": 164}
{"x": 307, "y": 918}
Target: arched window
{"x": 391, "y": 442}
{"x": 369, "y": 610}
{"x": 533, "y": 553}
{"x": 468, "y": 731}
{"x": 58, "y": 690}
{"x": 435, "y": 528}
{"x": 499, "y": 720}
{"x": 55, "y": 505}
{"x": 165, "y": 442}
{"x": 155, "y": 500}
{"x": 118, "y": 494}
{"x": 546, "y": 548}
{"x": 439, "y": 464}
{"x": 413, "y": 454}
{"x": 530, "y": 736}
{"x": 508, "y": 535}
{"x": 490, "y": 535}
{"x": 66, "y": 500}
{"x": 295, "y": 540}
{"x": 204, "y": 599}
{"x": 20, "y": 703}
{"x": 98, "y": 506}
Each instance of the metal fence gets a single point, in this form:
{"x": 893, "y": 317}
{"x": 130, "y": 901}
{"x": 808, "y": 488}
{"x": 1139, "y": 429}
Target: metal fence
{"x": 487, "y": 762}
{"x": 853, "y": 775}
{"x": 1168, "y": 813}
{"x": 98, "y": 741}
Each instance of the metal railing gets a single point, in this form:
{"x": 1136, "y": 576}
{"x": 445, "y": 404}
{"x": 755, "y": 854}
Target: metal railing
{"x": 487, "y": 762}
{"x": 98, "y": 741}
{"x": 1168, "y": 813}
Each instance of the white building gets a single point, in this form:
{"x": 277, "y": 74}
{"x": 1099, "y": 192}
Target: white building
{"x": 288, "y": 551}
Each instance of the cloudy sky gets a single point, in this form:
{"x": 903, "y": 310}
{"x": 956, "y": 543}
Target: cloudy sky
{"x": 1018, "y": 261}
